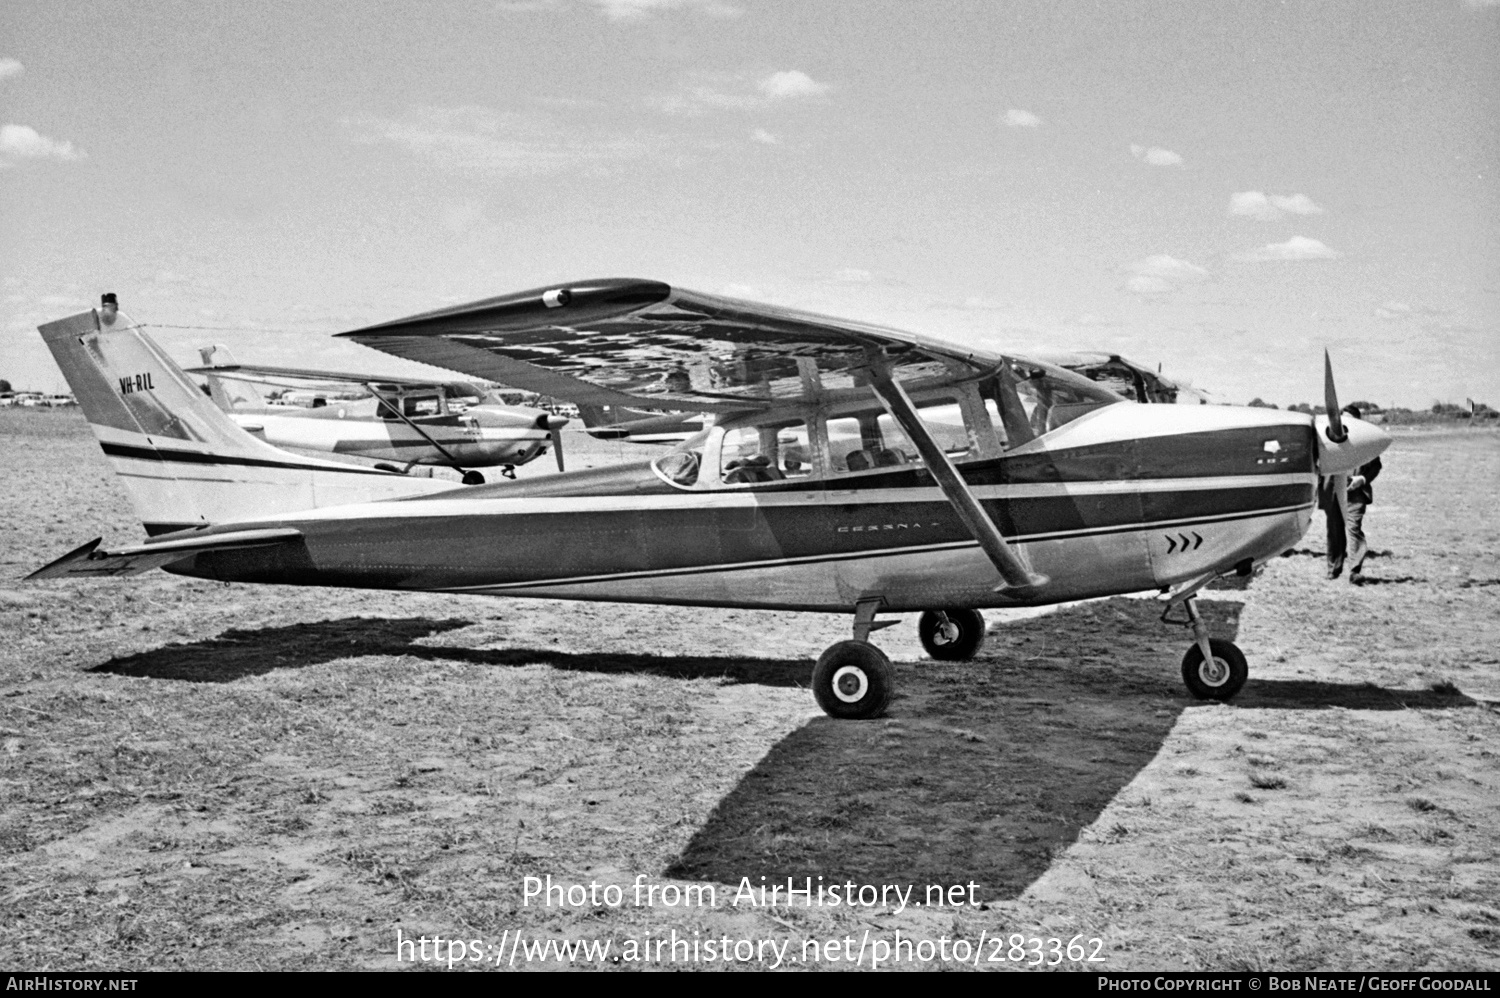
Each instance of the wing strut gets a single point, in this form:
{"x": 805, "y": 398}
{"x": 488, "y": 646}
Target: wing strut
{"x": 1018, "y": 577}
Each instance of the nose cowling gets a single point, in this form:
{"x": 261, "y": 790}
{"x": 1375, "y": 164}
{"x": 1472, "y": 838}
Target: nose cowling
{"x": 1363, "y": 443}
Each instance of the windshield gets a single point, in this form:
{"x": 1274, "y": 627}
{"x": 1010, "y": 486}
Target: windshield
{"x": 681, "y": 464}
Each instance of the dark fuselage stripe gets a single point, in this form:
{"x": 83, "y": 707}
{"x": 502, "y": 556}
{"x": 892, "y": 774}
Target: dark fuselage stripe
{"x": 221, "y": 460}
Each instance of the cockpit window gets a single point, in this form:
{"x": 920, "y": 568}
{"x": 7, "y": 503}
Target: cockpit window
{"x": 682, "y": 463}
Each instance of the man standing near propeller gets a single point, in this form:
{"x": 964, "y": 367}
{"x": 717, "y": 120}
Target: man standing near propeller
{"x": 1345, "y": 505}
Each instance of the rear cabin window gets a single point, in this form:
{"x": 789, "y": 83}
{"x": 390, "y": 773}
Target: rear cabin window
{"x": 875, "y": 440}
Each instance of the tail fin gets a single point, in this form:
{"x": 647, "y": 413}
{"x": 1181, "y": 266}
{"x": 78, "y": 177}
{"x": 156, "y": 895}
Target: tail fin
{"x": 600, "y": 421}
{"x": 226, "y": 394}
{"x": 183, "y": 461}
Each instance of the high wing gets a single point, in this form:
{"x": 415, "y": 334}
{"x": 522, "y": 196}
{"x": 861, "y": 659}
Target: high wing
{"x": 646, "y": 344}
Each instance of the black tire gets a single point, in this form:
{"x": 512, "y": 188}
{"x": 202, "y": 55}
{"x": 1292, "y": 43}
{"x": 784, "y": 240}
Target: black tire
{"x": 959, "y": 647}
{"x": 853, "y": 680}
{"x": 473, "y": 478}
{"x": 1219, "y": 681}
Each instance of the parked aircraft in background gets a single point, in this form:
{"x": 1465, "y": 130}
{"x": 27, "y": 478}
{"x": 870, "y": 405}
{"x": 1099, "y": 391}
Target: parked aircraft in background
{"x": 414, "y": 423}
{"x": 1136, "y": 382}
{"x": 641, "y": 426}
{"x": 1057, "y": 488}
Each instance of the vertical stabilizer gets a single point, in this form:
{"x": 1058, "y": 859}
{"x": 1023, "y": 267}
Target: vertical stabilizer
{"x": 183, "y": 461}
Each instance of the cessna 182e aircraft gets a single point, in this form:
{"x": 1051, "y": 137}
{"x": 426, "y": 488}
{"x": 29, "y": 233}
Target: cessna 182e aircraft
{"x": 381, "y": 418}
{"x": 832, "y": 479}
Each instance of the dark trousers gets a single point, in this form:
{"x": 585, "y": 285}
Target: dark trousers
{"x": 1346, "y": 537}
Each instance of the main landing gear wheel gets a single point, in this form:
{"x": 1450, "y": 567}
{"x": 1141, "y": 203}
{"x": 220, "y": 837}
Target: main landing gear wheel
{"x": 1218, "y": 679}
{"x": 951, "y": 635}
{"x": 853, "y": 680}
{"x": 473, "y": 478}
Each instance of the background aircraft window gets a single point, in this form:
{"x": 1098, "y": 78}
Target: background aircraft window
{"x": 753, "y": 454}
{"x": 421, "y": 406}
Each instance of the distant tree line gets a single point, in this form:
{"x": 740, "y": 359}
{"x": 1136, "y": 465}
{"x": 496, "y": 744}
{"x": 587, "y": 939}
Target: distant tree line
{"x": 1394, "y": 414}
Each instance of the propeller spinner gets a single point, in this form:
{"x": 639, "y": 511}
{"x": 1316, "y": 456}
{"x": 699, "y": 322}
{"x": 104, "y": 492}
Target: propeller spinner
{"x": 1344, "y": 445}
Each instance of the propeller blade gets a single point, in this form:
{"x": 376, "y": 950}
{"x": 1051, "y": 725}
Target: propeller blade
{"x": 554, "y": 429}
{"x": 1335, "y": 431}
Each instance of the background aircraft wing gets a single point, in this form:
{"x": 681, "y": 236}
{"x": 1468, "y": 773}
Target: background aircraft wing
{"x": 649, "y": 345}
{"x": 306, "y": 378}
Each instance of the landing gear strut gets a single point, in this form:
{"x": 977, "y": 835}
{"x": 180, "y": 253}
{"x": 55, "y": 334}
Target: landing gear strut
{"x": 1213, "y": 668}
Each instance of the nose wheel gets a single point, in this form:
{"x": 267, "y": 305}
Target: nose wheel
{"x": 1213, "y": 668}
{"x": 1218, "y": 676}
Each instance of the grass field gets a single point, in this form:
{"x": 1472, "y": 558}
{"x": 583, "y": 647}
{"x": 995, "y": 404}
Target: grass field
{"x": 206, "y": 776}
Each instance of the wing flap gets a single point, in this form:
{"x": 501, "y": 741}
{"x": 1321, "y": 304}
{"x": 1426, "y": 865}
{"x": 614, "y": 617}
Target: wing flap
{"x": 88, "y": 561}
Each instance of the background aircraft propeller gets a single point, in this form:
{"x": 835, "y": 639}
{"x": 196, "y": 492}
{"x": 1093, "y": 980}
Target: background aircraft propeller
{"x": 554, "y": 425}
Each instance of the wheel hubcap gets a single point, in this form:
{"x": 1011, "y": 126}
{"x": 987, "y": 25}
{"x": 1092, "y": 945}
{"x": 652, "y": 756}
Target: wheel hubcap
{"x": 850, "y": 684}
{"x": 1214, "y": 672}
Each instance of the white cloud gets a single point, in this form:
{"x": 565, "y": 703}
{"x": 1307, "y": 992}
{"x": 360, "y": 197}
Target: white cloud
{"x": 1295, "y": 248}
{"x": 24, "y": 142}
{"x": 791, "y": 83}
{"x": 634, "y": 10}
{"x": 1156, "y": 156}
{"x": 1162, "y": 274}
{"x": 764, "y": 137}
{"x": 10, "y": 67}
{"x": 1269, "y": 207}
{"x": 1398, "y": 311}
{"x": 1296, "y": 204}
{"x": 1016, "y": 118}
{"x": 853, "y": 275}
{"x": 719, "y": 91}
{"x": 480, "y": 140}
{"x": 742, "y": 291}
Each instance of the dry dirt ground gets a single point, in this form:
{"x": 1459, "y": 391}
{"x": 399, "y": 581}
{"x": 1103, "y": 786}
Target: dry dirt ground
{"x": 203, "y": 776}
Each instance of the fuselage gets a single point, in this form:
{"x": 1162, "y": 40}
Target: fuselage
{"x": 1124, "y": 498}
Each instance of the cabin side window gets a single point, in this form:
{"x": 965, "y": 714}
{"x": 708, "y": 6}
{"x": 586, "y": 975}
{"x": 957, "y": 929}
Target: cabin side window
{"x": 873, "y": 439}
{"x": 772, "y": 453}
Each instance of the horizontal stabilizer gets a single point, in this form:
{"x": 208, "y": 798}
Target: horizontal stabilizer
{"x": 89, "y": 561}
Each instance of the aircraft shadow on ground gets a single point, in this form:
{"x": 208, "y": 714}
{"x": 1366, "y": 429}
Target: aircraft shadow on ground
{"x": 984, "y": 771}
{"x": 240, "y": 653}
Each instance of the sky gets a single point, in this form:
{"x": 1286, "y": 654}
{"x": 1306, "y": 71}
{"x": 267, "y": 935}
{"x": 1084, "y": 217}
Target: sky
{"x": 1222, "y": 189}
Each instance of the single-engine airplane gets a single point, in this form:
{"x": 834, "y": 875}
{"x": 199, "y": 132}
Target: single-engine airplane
{"x": 833, "y": 479}
{"x": 414, "y": 423}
